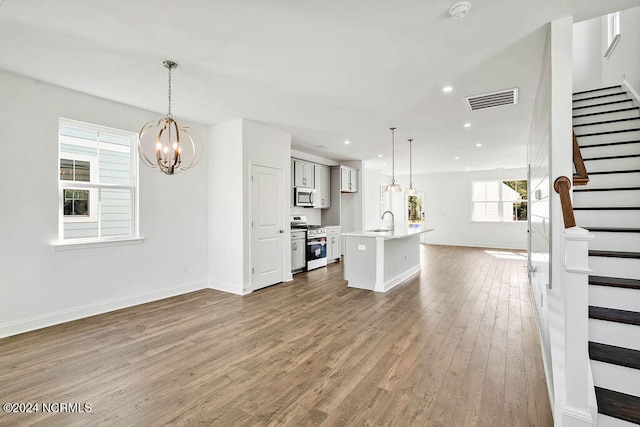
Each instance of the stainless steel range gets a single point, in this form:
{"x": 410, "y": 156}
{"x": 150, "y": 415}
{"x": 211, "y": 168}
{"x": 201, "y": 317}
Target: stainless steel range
{"x": 316, "y": 242}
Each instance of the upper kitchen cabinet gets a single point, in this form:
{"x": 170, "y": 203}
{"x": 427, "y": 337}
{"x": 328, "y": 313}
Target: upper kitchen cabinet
{"x": 348, "y": 180}
{"x": 323, "y": 186}
{"x": 303, "y": 174}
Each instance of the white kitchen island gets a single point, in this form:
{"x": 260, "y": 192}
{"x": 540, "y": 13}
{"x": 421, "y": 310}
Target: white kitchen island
{"x": 380, "y": 260}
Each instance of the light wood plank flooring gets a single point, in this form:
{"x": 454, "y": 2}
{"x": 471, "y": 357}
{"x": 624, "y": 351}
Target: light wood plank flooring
{"x": 455, "y": 345}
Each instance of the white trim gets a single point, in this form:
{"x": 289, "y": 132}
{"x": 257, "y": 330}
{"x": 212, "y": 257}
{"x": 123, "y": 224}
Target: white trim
{"x": 391, "y": 283}
{"x": 229, "y": 288}
{"x": 631, "y": 89}
{"x": 612, "y": 46}
{"x": 72, "y": 244}
{"x": 75, "y": 313}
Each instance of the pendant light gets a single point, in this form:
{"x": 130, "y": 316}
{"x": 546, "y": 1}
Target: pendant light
{"x": 393, "y": 186}
{"x": 411, "y": 191}
{"x": 165, "y": 144}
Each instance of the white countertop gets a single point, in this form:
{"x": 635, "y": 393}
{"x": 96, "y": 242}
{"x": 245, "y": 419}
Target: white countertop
{"x": 386, "y": 235}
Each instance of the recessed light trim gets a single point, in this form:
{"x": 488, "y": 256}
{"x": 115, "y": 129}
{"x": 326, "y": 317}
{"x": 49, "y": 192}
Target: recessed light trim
{"x": 379, "y": 155}
{"x": 478, "y": 145}
{"x": 347, "y": 142}
{"x": 447, "y": 89}
{"x": 456, "y": 158}
{"x": 467, "y": 125}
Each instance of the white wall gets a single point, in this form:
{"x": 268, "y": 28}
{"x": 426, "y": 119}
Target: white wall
{"x": 236, "y": 145}
{"x": 371, "y": 198}
{"x": 41, "y": 287}
{"x": 550, "y": 156}
{"x": 591, "y": 69}
{"x": 538, "y": 159}
{"x": 587, "y": 55}
{"x": 226, "y": 199}
{"x": 447, "y": 206}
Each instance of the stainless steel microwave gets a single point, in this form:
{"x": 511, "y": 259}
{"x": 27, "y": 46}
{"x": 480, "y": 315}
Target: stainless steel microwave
{"x": 303, "y": 196}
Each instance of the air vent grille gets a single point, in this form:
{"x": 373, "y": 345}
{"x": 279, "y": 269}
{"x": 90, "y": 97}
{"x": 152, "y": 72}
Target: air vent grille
{"x": 492, "y": 100}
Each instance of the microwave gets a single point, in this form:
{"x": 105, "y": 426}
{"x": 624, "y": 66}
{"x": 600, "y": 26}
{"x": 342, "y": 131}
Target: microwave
{"x": 303, "y": 196}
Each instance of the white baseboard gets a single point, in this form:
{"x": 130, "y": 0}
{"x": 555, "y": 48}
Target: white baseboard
{"x": 230, "y": 288}
{"x": 63, "y": 316}
{"x": 632, "y": 91}
{"x": 478, "y": 245}
{"x": 391, "y": 283}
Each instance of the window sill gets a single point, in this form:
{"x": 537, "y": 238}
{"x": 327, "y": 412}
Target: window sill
{"x": 94, "y": 243}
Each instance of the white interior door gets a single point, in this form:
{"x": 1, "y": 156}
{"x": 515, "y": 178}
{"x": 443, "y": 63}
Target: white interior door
{"x": 266, "y": 226}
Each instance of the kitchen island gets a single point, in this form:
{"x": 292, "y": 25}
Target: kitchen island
{"x": 378, "y": 260}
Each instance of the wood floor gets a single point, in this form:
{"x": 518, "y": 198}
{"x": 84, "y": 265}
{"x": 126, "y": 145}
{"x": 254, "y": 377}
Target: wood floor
{"x": 455, "y": 345}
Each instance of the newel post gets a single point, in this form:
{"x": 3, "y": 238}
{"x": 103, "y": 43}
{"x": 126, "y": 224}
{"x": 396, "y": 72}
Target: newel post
{"x": 577, "y": 411}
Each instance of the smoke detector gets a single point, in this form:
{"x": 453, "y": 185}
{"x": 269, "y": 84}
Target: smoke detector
{"x": 460, "y": 9}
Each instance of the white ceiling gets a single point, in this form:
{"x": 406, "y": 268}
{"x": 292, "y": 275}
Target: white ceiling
{"x": 324, "y": 71}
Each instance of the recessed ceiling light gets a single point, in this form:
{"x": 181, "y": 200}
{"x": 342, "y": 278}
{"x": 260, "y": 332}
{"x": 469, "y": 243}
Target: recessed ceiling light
{"x": 460, "y": 9}
{"x": 347, "y": 142}
{"x": 478, "y": 145}
{"x": 457, "y": 158}
{"x": 468, "y": 169}
{"x": 447, "y": 89}
{"x": 379, "y": 155}
{"x": 467, "y": 125}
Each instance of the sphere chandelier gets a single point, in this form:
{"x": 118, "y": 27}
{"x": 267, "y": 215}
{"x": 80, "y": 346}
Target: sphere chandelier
{"x": 165, "y": 144}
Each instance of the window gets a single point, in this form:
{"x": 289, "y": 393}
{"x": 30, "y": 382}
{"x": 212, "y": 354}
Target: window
{"x": 613, "y": 32}
{"x": 97, "y": 183}
{"x": 500, "y": 201}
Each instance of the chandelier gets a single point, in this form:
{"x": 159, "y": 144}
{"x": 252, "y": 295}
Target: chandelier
{"x": 166, "y": 145}
{"x": 393, "y": 186}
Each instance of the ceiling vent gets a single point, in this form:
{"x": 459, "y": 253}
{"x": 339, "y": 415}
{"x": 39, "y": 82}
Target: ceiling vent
{"x": 492, "y": 100}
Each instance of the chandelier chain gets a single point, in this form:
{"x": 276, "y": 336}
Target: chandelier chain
{"x": 169, "y": 113}
{"x": 393, "y": 156}
{"x": 410, "y": 164}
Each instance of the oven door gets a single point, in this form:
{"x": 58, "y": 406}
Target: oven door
{"x": 316, "y": 248}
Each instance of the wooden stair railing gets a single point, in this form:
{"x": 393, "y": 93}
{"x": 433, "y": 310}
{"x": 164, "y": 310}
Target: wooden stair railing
{"x": 580, "y": 177}
{"x": 562, "y": 185}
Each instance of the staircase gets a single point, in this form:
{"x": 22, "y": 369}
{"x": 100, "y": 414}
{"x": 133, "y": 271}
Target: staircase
{"x": 607, "y": 126}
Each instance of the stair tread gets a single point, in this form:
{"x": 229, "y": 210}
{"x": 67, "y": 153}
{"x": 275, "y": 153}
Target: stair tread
{"x": 618, "y": 282}
{"x": 580, "y": 190}
{"x": 614, "y": 315}
{"x": 604, "y": 144}
{"x": 596, "y": 90}
{"x": 614, "y": 254}
{"x": 614, "y": 229}
{"x": 606, "y": 208}
{"x": 601, "y": 96}
{"x": 627, "y": 119}
{"x": 615, "y": 355}
{"x": 624, "y": 156}
{"x": 603, "y": 104}
{"x": 609, "y": 132}
{"x": 614, "y": 172}
{"x": 606, "y": 112}
{"x": 618, "y": 405}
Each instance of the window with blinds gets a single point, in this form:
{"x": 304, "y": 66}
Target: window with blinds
{"x": 98, "y": 182}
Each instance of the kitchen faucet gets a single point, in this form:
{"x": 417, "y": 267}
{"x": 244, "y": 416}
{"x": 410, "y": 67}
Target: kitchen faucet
{"x": 392, "y": 219}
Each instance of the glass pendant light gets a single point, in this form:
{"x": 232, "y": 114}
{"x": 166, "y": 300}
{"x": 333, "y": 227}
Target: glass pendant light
{"x": 411, "y": 191}
{"x": 165, "y": 144}
{"x": 393, "y": 186}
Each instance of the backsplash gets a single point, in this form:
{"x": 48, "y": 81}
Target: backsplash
{"x": 313, "y": 215}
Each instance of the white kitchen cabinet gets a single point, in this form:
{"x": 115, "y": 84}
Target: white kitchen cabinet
{"x": 334, "y": 247}
{"x": 348, "y": 180}
{"x": 303, "y": 174}
{"x": 298, "y": 250}
{"x": 323, "y": 186}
